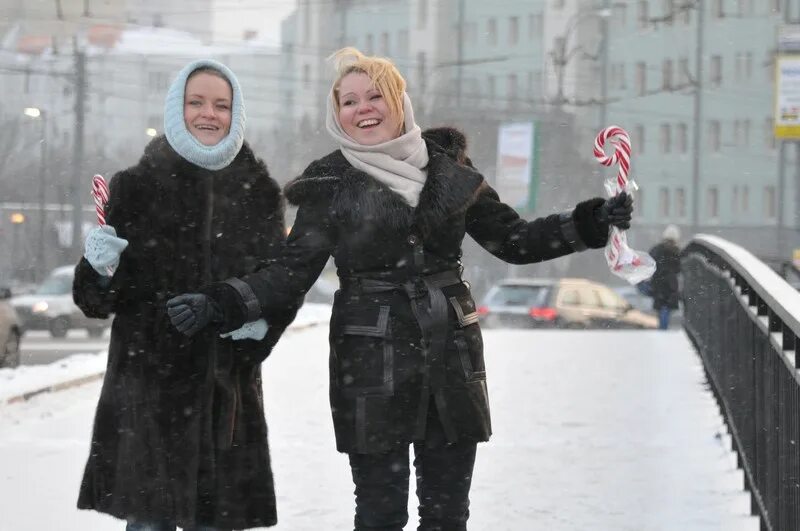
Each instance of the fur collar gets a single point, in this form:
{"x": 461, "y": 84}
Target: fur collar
{"x": 162, "y": 162}
{"x": 451, "y": 187}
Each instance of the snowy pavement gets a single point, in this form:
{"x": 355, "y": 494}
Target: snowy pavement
{"x": 592, "y": 431}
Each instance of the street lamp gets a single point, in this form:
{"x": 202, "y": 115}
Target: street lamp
{"x": 37, "y": 113}
{"x": 151, "y": 131}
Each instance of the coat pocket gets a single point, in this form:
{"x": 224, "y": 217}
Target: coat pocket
{"x": 363, "y": 352}
{"x": 466, "y": 360}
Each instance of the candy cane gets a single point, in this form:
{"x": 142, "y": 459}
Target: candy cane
{"x": 633, "y": 266}
{"x": 100, "y": 195}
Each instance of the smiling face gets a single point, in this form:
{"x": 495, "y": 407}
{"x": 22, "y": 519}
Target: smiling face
{"x": 207, "y": 107}
{"x": 363, "y": 112}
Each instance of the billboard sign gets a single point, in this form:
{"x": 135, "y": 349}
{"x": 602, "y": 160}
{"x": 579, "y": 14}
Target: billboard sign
{"x": 516, "y": 177}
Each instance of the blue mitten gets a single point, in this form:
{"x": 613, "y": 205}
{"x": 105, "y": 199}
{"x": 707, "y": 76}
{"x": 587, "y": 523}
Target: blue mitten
{"x": 102, "y": 249}
{"x": 252, "y": 330}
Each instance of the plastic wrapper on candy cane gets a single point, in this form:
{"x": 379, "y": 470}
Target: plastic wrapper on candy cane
{"x": 633, "y": 266}
{"x": 100, "y": 195}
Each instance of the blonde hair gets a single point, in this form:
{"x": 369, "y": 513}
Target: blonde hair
{"x": 385, "y": 77}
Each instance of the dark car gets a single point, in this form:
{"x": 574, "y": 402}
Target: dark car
{"x": 10, "y": 331}
{"x": 559, "y": 303}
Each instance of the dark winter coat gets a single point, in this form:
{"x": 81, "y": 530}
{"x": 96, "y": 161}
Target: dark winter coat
{"x": 664, "y": 283}
{"x": 179, "y": 431}
{"x": 404, "y": 334}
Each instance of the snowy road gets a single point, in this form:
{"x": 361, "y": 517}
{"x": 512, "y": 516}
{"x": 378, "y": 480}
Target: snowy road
{"x": 592, "y": 431}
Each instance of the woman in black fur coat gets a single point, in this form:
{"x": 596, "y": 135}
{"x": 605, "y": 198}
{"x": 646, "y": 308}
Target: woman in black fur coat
{"x": 392, "y": 206}
{"x": 180, "y": 437}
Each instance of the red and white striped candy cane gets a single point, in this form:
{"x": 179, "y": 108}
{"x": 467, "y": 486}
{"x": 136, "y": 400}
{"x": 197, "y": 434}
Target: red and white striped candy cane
{"x": 100, "y": 195}
{"x": 631, "y": 265}
{"x": 622, "y": 152}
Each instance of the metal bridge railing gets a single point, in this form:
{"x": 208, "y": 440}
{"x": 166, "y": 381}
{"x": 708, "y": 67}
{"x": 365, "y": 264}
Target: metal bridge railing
{"x": 744, "y": 321}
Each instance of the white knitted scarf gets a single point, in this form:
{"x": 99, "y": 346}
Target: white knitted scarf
{"x": 397, "y": 163}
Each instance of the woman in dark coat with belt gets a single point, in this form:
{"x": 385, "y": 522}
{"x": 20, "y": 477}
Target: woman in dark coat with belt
{"x": 180, "y": 437}
{"x": 392, "y": 206}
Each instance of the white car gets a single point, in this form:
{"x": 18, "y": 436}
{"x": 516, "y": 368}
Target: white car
{"x": 51, "y": 307}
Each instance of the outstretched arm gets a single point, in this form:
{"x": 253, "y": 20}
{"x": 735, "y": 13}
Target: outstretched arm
{"x": 499, "y": 229}
{"x": 273, "y": 288}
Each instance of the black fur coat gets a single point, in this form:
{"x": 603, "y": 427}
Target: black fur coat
{"x": 179, "y": 431}
{"x": 386, "y": 370}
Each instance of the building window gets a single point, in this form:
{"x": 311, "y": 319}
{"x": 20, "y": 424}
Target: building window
{"x": 663, "y": 202}
{"x": 769, "y": 202}
{"x": 535, "y": 26}
{"x": 513, "y": 31}
{"x": 512, "y": 89}
{"x": 712, "y": 202}
{"x": 305, "y": 9}
{"x": 558, "y": 4}
{"x": 748, "y": 65}
{"x": 682, "y": 138}
{"x": 640, "y": 203}
{"x": 745, "y": 198}
{"x": 666, "y": 74}
{"x": 306, "y": 76}
{"x": 422, "y": 73}
{"x": 370, "y": 44}
{"x": 491, "y": 32}
{"x": 737, "y": 133}
{"x": 665, "y": 139}
{"x": 422, "y": 14}
{"x": 718, "y": 9}
{"x": 471, "y": 32}
{"x": 683, "y": 71}
{"x": 402, "y": 43}
{"x": 638, "y": 139}
{"x": 715, "y": 74}
{"x": 680, "y": 202}
{"x": 738, "y": 71}
{"x": 490, "y": 87}
{"x": 769, "y": 134}
{"x": 714, "y": 130}
{"x": 746, "y": 133}
{"x": 385, "y": 44}
{"x": 686, "y": 13}
{"x": 643, "y": 15}
{"x": 641, "y": 78}
{"x": 735, "y": 200}
{"x": 668, "y": 11}
{"x": 620, "y": 15}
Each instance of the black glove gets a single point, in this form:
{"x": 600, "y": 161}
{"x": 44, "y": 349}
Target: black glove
{"x": 192, "y": 312}
{"x": 616, "y": 211}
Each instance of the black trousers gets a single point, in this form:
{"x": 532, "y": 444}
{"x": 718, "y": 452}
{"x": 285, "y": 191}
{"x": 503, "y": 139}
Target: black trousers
{"x": 444, "y": 476}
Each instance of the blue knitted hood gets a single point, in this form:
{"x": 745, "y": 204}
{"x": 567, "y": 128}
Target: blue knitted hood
{"x": 187, "y": 146}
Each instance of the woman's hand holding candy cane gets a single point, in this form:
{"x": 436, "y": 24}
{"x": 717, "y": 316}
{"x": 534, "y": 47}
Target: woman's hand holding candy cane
{"x": 102, "y": 247}
{"x": 633, "y": 266}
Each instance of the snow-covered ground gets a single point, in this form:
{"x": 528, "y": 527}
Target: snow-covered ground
{"x": 592, "y": 431}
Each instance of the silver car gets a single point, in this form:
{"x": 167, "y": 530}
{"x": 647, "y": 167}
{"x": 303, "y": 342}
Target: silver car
{"x": 51, "y": 307}
{"x": 559, "y": 303}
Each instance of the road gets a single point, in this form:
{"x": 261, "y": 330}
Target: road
{"x": 38, "y": 348}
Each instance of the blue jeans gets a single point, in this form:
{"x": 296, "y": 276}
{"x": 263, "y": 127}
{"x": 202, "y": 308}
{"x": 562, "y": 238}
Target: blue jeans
{"x": 663, "y": 317}
{"x": 162, "y": 526}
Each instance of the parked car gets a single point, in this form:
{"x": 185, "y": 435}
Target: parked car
{"x": 559, "y": 303}
{"x": 51, "y": 307}
{"x": 10, "y": 331}
{"x": 645, "y": 304}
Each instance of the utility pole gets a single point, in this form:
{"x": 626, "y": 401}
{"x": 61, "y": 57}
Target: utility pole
{"x": 698, "y": 113}
{"x": 40, "y": 267}
{"x": 604, "y": 69}
{"x": 460, "y": 51}
{"x": 78, "y": 155}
